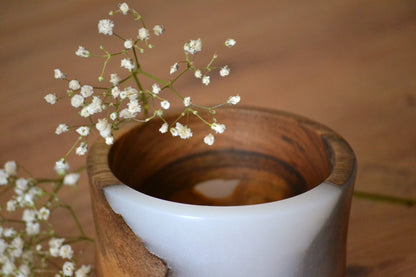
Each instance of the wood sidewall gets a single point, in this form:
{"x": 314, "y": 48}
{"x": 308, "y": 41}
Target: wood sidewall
{"x": 281, "y": 153}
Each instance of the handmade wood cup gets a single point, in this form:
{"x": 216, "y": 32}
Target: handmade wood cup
{"x": 271, "y": 197}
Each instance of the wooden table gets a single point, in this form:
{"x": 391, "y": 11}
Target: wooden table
{"x": 347, "y": 64}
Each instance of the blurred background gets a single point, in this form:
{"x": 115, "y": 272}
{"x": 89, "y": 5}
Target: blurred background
{"x": 350, "y": 65}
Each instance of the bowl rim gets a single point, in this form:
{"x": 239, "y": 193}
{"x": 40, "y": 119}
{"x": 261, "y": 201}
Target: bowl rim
{"x": 342, "y": 159}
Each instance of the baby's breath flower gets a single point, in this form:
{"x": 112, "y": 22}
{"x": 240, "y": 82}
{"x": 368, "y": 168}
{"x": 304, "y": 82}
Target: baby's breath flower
{"x": 173, "y": 131}
{"x": 127, "y": 64}
{"x": 68, "y": 269}
{"x": 54, "y": 245}
{"x": 95, "y": 106}
{"x": 184, "y": 132}
{"x": 59, "y": 74}
{"x": 83, "y": 131}
{"x": 11, "y": 205}
{"x": 24, "y": 271}
{"x": 109, "y": 140}
{"x": 115, "y": 92}
{"x": 114, "y": 79}
{"x": 29, "y": 215}
{"x": 62, "y": 128}
{"x": 174, "y": 68}
{"x": 143, "y": 34}
{"x": 105, "y": 26}
{"x": 71, "y": 179}
{"x": 233, "y": 100}
{"x": 155, "y": 88}
{"x": 16, "y": 248}
{"x": 87, "y": 91}
{"x": 74, "y": 85}
{"x": 3, "y": 246}
{"x": 8, "y": 268}
{"x": 3, "y": 177}
{"x": 123, "y": 94}
{"x": 225, "y": 71}
{"x": 61, "y": 167}
{"x": 164, "y": 128}
{"x": 209, "y": 139}
{"x": 134, "y": 106}
{"x": 77, "y": 101}
{"x": 198, "y": 74}
{"x": 124, "y": 8}
{"x": 128, "y": 44}
{"x": 131, "y": 93}
{"x": 206, "y": 80}
{"x": 113, "y": 116}
{"x": 187, "y": 101}
{"x": 43, "y": 213}
{"x": 165, "y": 104}
{"x": 193, "y": 46}
{"x": 158, "y": 30}
{"x": 21, "y": 185}
{"x": 83, "y": 271}
{"x": 84, "y": 112}
{"x": 82, "y": 52}
{"x": 32, "y": 228}
{"x": 159, "y": 113}
{"x": 11, "y": 168}
{"x": 219, "y": 128}
{"x": 103, "y": 127}
{"x": 124, "y": 113}
{"x": 34, "y": 191}
{"x": 51, "y": 98}
{"x": 65, "y": 252}
{"x": 9, "y": 232}
{"x": 230, "y": 42}
{"x": 81, "y": 149}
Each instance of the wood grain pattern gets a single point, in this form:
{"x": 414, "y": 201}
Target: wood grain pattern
{"x": 266, "y": 150}
{"x": 347, "y": 64}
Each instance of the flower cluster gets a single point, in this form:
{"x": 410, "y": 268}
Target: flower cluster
{"x": 29, "y": 245}
{"x": 124, "y": 99}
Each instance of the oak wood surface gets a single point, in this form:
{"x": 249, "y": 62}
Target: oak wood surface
{"x": 347, "y": 64}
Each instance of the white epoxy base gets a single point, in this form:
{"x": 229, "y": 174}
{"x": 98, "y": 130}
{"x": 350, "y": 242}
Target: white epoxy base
{"x": 264, "y": 240}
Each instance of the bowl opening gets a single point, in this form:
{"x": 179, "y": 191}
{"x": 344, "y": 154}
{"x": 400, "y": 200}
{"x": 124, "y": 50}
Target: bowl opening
{"x": 261, "y": 157}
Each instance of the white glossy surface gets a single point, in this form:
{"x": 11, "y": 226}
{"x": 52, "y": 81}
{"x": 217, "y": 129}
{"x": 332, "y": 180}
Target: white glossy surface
{"x": 264, "y": 240}
{"x": 217, "y": 188}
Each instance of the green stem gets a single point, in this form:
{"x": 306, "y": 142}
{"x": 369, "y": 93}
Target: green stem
{"x": 71, "y": 211}
{"x": 178, "y": 76}
{"x": 409, "y": 202}
{"x": 143, "y": 95}
{"x": 78, "y": 239}
{"x": 12, "y": 221}
{"x": 120, "y": 37}
{"x": 200, "y": 117}
{"x": 153, "y": 77}
{"x": 55, "y": 192}
{"x": 135, "y": 58}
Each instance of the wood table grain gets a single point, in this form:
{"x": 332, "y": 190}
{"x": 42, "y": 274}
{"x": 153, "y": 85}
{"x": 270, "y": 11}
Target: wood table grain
{"x": 348, "y": 64}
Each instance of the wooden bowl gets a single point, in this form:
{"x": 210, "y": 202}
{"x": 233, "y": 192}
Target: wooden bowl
{"x": 273, "y": 155}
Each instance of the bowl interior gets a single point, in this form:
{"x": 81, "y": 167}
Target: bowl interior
{"x": 261, "y": 157}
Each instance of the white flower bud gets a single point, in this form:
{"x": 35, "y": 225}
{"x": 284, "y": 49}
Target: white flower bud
{"x": 143, "y": 34}
{"x": 74, "y": 85}
{"x": 209, "y": 139}
{"x": 77, "y": 100}
{"x": 164, "y": 128}
{"x": 230, "y": 42}
{"x": 158, "y": 30}
{"x": 51, "y": 98}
